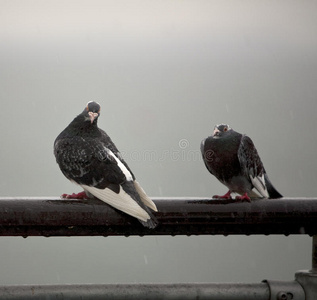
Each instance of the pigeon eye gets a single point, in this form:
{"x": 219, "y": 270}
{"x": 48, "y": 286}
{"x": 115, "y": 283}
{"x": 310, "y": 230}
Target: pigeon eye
{"x": 225, "y": 129}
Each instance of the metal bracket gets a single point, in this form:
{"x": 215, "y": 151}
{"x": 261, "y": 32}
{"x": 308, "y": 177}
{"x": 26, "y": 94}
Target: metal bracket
{"x": 285, "y": 290}
{"x": 308, "y": 281}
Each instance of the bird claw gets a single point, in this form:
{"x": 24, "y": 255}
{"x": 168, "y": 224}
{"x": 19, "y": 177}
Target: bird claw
{"x": 226, "y": 196}
{"x": 244, "y": 197}
{"x": 81, "y": 195}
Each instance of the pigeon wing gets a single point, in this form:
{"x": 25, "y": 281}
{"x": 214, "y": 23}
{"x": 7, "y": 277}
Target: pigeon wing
{"x": 88, "y": 163}
{"x": 207, "y": 154}
{"x": 106, "y": 140}
{"x": 96, "y": 168}
{"x": 251, "y": 165}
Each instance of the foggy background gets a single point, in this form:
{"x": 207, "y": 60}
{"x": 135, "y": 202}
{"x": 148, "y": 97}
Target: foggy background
{"x": 164, "y": 72}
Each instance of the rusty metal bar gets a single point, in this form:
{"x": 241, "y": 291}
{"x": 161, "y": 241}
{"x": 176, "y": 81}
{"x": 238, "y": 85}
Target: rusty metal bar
{"x": 176, "y": 216}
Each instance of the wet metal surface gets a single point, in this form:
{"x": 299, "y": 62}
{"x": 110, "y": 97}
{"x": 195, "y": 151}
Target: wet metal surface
{"x": 176, "y": 216}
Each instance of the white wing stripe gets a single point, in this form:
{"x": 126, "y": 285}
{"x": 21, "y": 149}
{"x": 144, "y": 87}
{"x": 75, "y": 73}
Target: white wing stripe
{"x": 121, "y": 166}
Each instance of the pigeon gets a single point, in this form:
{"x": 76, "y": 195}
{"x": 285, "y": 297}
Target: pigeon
{"x": 87, "y": 156}
{"x": 233, "y": 159}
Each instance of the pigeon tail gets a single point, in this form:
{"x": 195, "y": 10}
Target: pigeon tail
{"x": 273, "y": 193}
{"x": 121, "y": 201}
{"x": 144, "y": 197}
{"x": 134, "y": 190}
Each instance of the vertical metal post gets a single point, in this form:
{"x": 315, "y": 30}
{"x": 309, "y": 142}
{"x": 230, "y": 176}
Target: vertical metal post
{"x": 308, "y": 278}
{"x": 314, "y": 255}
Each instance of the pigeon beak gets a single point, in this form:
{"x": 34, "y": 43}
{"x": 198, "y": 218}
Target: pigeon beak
{"x": 92, "y": 116}
{"x": 216, "y": 132}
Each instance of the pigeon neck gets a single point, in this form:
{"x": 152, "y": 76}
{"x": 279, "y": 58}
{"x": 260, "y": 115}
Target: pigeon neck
{"x": 82, "y": 127}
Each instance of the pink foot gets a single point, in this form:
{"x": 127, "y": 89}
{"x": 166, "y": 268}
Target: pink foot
{"x": 244, "y": 197}
{"x": 81, "y": 195}
{"x": 225, "y": 196}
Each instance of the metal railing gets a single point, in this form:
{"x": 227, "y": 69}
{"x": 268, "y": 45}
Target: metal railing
{"x": 176, "y": 216}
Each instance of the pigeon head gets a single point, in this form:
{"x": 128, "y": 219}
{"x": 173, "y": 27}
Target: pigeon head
{"x": 92, "y": 111}
{"x": 221, "y": 130}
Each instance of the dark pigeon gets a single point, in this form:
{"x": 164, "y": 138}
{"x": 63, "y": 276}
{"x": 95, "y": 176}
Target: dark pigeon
{"x": 87, "y": 156}
{"x": 234, "y": 160}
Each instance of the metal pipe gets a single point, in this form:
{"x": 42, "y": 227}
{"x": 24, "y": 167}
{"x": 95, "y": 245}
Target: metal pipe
{"x": 314, "y": 254}
{"x": 176, "y": 216}
{"x": 209, "y": 291}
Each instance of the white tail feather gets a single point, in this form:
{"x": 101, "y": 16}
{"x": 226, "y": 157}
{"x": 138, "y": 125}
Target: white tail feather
{"x": 144, "y": 197}
{"x": 259, "y": 184}
{"x": 121, "y": 201}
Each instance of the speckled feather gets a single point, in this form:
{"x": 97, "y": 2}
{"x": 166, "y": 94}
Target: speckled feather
{"x": 86, "y": 160}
